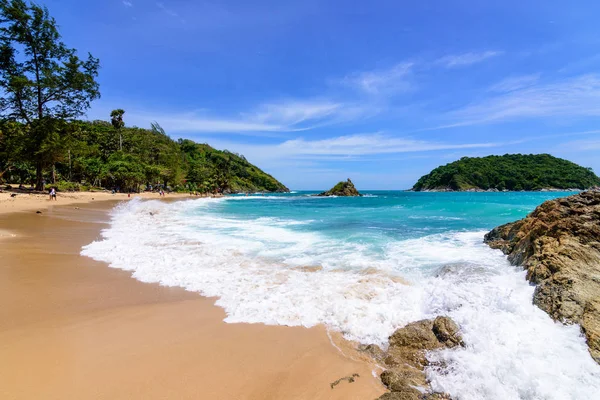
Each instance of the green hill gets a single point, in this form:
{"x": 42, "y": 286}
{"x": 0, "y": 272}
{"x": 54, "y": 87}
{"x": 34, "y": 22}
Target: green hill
{"x": 204, "y": 161}
{"x": 508, "y": 172}
{"x": 95, "y": 154}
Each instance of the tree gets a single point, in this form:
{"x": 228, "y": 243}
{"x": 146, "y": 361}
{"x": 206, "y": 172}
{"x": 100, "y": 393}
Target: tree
{"x": 116, "y": 119}
{"x": 11, "y": 146}
{"x": 41, "y": 79}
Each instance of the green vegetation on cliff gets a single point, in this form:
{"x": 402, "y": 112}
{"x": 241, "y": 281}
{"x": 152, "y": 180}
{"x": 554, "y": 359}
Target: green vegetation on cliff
{"x": 231, "y": 171}
{"x": 509, "y": 172}
{"x": 98, "y": 154}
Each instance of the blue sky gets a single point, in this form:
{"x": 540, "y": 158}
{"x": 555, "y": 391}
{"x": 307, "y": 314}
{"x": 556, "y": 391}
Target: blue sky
{"x": 379, "y": 91}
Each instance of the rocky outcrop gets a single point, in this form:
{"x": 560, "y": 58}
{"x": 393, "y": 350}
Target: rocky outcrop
{"x": 406, "y": 359}
{"x": 559, "y": 246}
{"x": 345, "y": 189}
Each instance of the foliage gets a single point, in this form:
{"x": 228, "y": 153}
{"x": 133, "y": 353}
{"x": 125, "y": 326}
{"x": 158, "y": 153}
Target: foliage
{"x": 64, "y": 186}
{"x": 116, "y": 118}
{"x": 89, "y": 155}
{"x": 509, "y": 172}
{"x": 208, "y": 168}
{"x": 12, "y": 138}
{"x": 338, "y": 187}
{"x": 43, "y": 82}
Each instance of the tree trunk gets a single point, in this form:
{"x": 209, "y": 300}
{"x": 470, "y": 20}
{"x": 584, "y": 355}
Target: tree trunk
{"x": 39, "y": 176}
{"x": 3, "y": 172}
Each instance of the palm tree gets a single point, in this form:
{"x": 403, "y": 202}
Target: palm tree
{"x": 116, "y": 119}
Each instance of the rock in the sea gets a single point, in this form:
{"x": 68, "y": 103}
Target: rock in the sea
{"x": 403, "y": 379}
{"x": 446, "y": 331}
{"x": 374, "y": 351}
{"x": 406, "y": 358}
{"x": 345, "y": 189}
{"x": 559, "y": 246}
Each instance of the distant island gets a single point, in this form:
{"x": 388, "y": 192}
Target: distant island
{"x": 510, "y": 172}
{"x": 343, "y": 189}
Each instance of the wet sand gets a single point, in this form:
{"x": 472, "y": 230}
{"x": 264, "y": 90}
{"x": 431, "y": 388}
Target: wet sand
{"x": 73, "y": 328}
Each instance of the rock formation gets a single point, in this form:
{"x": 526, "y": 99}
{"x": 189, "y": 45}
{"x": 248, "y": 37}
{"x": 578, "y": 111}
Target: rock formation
{"x": 346, "y": 189}
{"x": 406, "y": 359}
{"x": 559, "y": 246}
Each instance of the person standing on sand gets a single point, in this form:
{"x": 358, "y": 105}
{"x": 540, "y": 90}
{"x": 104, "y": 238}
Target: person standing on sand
{"x": 53, "y": 194}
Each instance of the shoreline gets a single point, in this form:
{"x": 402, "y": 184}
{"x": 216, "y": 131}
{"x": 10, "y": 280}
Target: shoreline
{"x": 544, "y": 190}
{"x": 39, "y": 202}
{"x": 73, "y": 328}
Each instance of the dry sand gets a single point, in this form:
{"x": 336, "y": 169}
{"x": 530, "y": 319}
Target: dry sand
{"x": 72, "y": 328}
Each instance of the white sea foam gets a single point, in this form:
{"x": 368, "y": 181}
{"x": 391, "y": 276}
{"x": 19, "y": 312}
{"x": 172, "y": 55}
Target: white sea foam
{"x": 514, "y": 350}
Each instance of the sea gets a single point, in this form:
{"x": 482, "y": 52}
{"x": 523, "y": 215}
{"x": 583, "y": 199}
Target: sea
{"x": 365, "y": 266}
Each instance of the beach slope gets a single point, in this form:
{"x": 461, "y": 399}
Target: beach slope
{"x": 73, "y": 328}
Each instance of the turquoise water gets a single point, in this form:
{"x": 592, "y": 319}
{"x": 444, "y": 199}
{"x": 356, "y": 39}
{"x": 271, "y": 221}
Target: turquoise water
{"x": 383, "y": 215}
{"x": 365, "y": 267}
{"x": 372, "y": 222}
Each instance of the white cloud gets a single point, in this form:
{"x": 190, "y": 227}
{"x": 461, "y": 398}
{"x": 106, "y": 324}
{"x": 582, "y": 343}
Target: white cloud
{"x": 575, "y": 97}
{"x": 364, "y": 144}
{"x": 288, "y": 116}
{"x": 465, "y": 59}
{"x": 192, "y": 123}
{"x": 340, "y": 147}
{"x": 513, "y": 83}
{"x": 284, "y": 115}
{"x": 166, "y": 10}
{"x": 296, "y": 112}
{"x": 581, "y": 145}
{"x": 127, "y": 3}
{"x": 385, "y": 81}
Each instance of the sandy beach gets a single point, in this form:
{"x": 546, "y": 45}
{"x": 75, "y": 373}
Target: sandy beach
{"x": 73, "y": 328}
{"x": 35, "y": 202}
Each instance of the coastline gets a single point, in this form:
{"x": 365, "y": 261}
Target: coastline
{"x": 478, "y": 190}
{"x": 73, "y": 328}
{"x": 558, "y": 246}
{"x": 34, "y": 202}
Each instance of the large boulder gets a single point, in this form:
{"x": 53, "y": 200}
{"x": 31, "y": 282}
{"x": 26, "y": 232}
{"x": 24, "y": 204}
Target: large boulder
{"x": 344, "y": 189}
{"x": 559, "y": 246}
{"x": 406, "y": 358}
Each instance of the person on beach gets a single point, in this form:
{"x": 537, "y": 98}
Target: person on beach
{"x": 53, "y": 194}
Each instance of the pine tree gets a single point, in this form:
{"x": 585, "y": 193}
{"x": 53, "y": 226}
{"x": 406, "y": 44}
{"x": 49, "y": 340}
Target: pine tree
{"x": 43, "y": 82}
